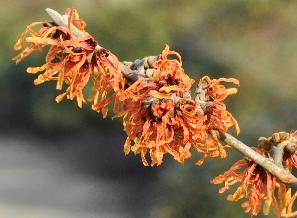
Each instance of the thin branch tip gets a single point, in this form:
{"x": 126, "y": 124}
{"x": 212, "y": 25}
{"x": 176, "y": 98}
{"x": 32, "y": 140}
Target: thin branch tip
{"x": 281, "y": 173}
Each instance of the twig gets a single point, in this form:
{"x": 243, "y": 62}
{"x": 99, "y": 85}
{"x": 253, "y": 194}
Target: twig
{"x": 264, "y": 162}
{"x": 278, "y": 153}
{"x": 62, "y": 20}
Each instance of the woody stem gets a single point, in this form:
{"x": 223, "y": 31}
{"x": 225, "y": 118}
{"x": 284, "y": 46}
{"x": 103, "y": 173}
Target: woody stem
{"x": 278, "y": 153}
{"x": 264, "y": 162}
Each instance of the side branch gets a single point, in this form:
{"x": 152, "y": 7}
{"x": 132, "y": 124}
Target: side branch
{"x": 267, "y": 164}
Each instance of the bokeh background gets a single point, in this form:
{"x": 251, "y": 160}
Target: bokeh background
{"x": 59, "y": 161}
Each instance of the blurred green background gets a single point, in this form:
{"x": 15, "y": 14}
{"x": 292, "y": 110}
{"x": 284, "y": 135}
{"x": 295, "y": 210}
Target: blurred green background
{"x": 253, "y": 41}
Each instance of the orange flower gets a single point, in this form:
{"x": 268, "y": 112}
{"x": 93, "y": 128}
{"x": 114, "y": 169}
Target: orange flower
{"x": 73, "y": 60}
{"x": 210, "y": 94}
{"x": 210, "y": 147}
{"x": 287, "y": 201}
{"x": 257, "y": 186}
{"x": 290, "y": 160}
{"x": 108, "y": 81}
{"x": 170, "y": 71}
{"x": 162, "y": 127}
{"x": 159, "y": 115}
{"x": 40, "y": 36}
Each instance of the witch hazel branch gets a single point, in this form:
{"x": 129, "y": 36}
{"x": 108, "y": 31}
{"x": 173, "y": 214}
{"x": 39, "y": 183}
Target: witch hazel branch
{"x": 161, "y": 116}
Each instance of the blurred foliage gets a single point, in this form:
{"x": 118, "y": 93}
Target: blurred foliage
{"x": 254, "y": 41}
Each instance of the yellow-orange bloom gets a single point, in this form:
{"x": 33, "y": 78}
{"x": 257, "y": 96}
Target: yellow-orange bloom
{"x": 108, "y": 81}
{"x": 170, "y": 72}
{"x": 73, "y": 60}
{"x": 159, "y": 115}
{"x": 286, "y": 201}
{"x": 162, "y": 127}
{"x": 210, "y": 95}
{"x": 257, "y": 186}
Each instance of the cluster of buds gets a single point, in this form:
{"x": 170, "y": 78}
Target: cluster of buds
{"x": 257, "y": 185}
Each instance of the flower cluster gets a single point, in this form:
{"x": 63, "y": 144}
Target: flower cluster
{"x": 159, "y": 115}
{"x": 257, "y": 185}
{"x": 72, "y": 60}
{"x": 210, "y": 95}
